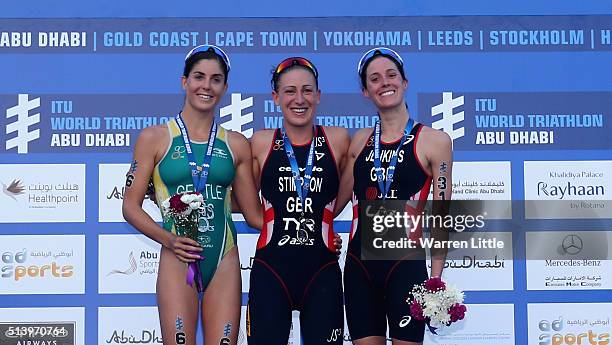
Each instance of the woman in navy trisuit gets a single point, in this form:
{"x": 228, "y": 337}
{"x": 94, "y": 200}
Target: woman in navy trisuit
{"x": 298, "y": 168}
{"x": 376, "y": 290}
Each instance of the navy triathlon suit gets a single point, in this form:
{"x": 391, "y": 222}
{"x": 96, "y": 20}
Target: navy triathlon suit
{"x": 296, "y": 268}
{"x": 376, "y": 290}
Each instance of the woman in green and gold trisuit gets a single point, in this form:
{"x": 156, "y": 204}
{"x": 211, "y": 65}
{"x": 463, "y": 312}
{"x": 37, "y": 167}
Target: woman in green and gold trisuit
{"x": 178, "y": 157}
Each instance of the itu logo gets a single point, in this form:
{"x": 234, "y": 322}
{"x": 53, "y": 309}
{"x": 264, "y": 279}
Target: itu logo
{"x": 237, "y": 119}
{"x": 21, "y": 124}
{"x": 449, "y": 117}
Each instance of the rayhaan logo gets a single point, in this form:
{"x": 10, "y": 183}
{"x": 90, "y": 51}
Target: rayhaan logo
{"x": 572, "y": 244}
{"x": 13, "y": 189}
{"x": 561, "y": 191}
{"x": 237, "y": 119}
{"x": 24, "y": 120}
{"x": 449, "y": 117}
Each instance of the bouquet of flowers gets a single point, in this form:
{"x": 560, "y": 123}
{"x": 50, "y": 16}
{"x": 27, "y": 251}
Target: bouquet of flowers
{"x": 436, "y": 303}
{"x": 183, "y": 210}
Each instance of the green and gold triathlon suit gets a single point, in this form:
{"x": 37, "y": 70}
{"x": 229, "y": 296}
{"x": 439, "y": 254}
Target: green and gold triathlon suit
{"x": 172, "y": 175}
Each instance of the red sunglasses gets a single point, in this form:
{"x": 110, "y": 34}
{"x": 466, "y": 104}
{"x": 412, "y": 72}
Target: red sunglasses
{"x": 294, "y": 61}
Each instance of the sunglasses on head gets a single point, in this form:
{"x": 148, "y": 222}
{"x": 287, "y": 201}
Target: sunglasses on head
{"x": 296, "y": 61}
{"x": 378, "y": 51}
{"x": 210, "y": 48}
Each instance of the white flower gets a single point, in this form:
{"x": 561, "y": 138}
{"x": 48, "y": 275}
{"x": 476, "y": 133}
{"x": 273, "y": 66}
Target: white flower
{"x": 187, "y": 198}
{"x": 437, "y": 303}
{"x": 454, "y": 294}
{"x": 190, "y": 198}
{"x": 194, "y": 205}
{"x": 166, "y": 205}
{"x": 442, "y": 318}
{"x": 432, "y": 306}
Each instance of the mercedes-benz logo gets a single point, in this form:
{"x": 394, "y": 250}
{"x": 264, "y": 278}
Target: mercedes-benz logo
{"x": 572, "y": 244}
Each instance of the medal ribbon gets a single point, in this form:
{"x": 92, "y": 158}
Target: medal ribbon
{"x": 304, "y": 187}
{"x": 384, "y": 186}
{"x": 199, "y": 177}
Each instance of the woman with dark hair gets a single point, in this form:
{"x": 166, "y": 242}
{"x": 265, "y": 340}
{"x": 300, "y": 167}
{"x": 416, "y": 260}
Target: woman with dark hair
{"x": 396, "y": 160}
{"x": 297, "y": 167}
{"x": 191, "y": 153}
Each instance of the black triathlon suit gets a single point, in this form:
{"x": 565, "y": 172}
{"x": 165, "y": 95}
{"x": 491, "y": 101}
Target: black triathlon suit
{"x": 296, "y": 268}
{"x": 376, "y": 290}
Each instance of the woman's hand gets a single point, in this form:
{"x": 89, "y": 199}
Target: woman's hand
{"x": 185, "y": 249}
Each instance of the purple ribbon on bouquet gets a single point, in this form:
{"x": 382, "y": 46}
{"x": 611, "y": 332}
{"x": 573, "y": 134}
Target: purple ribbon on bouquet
{"x": 194, "y": 274}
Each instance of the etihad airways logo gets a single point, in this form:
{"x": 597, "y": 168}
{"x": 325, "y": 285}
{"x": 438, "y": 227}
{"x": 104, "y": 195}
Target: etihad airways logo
{"x": 569, "y": 189}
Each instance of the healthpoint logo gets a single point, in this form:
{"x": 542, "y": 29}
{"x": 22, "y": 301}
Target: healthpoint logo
{"x": 237, "y": 119}
{"x": 13, "y": 189}
{"x": 449, "y": 117}
{"x": 24, "y": 120}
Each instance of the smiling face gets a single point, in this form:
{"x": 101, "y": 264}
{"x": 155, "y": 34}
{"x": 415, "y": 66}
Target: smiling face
{"x": 205, "y": 85}
{"x": 384, "y": 85}
{"x": 298, "y": 96}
